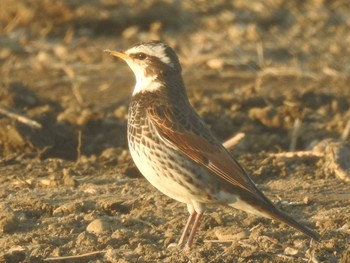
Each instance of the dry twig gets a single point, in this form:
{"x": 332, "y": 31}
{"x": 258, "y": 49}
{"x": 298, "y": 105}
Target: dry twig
{"x": 86, "y": 255}
{"x": 281, "y": 71}
{"x": 79, "y": 146}
{"x": 230, "y": 143}
{"x": 260, "y": 52}
{"x": 20, "y": 118}
{"x": 346, "y": 131}
{"x": 297, "y": 154}
{"x": 295, "y": 134}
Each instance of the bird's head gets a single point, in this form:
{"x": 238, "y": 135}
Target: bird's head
{"x": 154, "y": 64}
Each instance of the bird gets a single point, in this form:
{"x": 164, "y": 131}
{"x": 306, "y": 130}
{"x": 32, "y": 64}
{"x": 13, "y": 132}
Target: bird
{"x": 176, "y": 152}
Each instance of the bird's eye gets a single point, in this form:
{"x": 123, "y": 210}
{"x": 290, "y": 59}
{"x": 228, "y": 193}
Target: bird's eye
{"x": 140, "y": 56}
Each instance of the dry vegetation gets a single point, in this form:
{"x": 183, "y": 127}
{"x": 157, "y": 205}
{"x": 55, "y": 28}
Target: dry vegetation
{"x": 276, "y": 70}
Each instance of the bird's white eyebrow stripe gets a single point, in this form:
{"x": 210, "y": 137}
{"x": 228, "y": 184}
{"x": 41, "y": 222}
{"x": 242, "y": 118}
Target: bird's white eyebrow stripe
{"x": 154, "y": 51}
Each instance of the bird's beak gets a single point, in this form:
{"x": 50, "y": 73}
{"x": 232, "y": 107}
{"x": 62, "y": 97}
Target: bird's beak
{"x": 119, "y": 54}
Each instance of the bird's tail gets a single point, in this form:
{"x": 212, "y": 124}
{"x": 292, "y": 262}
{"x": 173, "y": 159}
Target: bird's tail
{"x": 264, "y": 207}
{"x": 283, "y": 217}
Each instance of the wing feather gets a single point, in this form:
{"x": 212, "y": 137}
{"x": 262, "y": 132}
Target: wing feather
{"x": 195, "y": 145}
{"x": 188, "y": 134}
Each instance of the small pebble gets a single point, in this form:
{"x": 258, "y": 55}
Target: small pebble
{"x": 98, "y": 226}
{"x": 290, "y": 251}
{"x": 216, "y": 63}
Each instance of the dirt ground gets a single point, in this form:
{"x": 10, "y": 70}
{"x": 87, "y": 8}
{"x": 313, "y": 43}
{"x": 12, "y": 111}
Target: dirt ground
{"x": 276, "y": 70}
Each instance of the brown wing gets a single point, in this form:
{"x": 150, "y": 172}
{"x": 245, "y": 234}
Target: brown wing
{"x": 188, "y": 134}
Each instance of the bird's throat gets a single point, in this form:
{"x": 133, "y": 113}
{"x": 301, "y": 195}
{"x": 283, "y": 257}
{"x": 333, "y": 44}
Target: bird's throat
{"x": 146, "y": 84}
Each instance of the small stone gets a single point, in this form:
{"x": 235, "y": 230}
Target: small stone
{"x": 98, "y": 226}
{"x": 43, "y": 57}
{"x": 66, "y": 209}
{"x": 60, "y": 51}
{"x": 290, "y": 251}
{"x": 216, "y": 63}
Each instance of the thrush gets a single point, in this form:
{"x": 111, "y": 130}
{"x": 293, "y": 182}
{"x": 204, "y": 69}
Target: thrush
{"x": 176, "y": 152}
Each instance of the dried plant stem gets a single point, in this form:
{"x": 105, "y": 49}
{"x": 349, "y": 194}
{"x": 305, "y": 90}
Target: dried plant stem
{"x": 79, "y": 146}
{"x": 230, "y": 143}
{"x": 346, "y": 131}
{"x": 90, "y": 254}
{"x": 297, "y": 154}
{"x": 295, "y": 134}
{"x": 20, "y": 118}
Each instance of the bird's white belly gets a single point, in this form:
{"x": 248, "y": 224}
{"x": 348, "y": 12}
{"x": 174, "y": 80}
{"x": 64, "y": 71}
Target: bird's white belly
{"x": 158, "y": 177}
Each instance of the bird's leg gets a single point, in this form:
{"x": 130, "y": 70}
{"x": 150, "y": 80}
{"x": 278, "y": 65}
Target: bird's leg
{"x": 185, "y": 231}
{"x": 193, "y": 231}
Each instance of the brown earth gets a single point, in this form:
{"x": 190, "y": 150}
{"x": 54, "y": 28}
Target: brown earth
{"x": 70, "y": 188}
